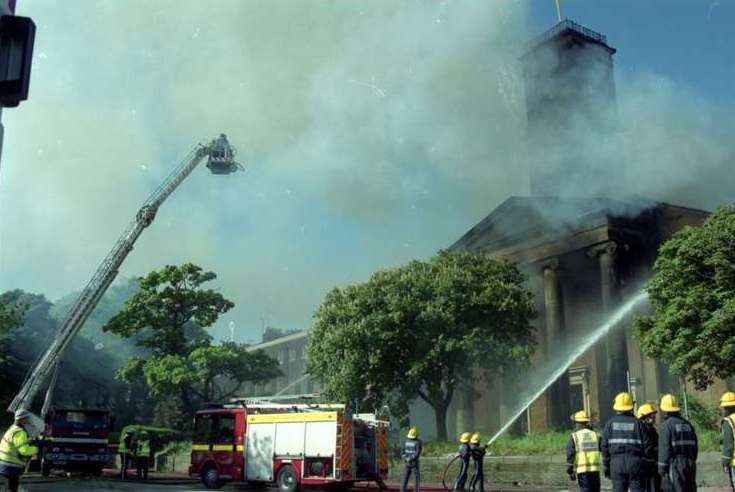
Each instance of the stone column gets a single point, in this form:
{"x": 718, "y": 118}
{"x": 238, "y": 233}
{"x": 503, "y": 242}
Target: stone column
{"x": 555, "y": 342}
{"x": 612, "y": 355}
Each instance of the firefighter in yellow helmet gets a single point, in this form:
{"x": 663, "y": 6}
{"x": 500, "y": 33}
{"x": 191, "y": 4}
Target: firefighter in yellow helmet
{"x": 677, "y": 449}
{"x": 464, "y": 462}
{"x": 583, "y": 454}
{"x": 646, "y": 413}
{"x": 727, "y": 407}
{"x": 477, "y": 452}
{"x": 624, "y": 445}
{"x": 411, "y": 455}
{"x": 15, "y": 450}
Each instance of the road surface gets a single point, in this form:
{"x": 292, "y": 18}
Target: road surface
{"x": 34, "y": 483}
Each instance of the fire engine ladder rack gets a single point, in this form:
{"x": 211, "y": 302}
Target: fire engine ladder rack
{"x": 264, "y": 402}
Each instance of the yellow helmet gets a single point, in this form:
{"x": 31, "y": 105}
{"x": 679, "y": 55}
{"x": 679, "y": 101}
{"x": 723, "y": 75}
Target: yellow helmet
{"x": 475, "y": 439}
{"x": 669, "y": 404}
{"x": 464, "y": 438}
{"x": 727, "y": 399}
{"x": 413, "y": 433}
{"x": 645, "y": 410}
{"x": 623, "y": 402}
{"x": 581, "y": 417}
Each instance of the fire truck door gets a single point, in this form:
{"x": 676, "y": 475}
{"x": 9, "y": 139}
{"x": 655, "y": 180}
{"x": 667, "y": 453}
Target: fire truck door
{"x": 259, "y": 451}
{"x": 223, "y": 441}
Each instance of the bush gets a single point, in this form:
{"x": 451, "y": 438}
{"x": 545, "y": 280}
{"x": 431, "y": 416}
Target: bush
{"x": 703, "y": 417}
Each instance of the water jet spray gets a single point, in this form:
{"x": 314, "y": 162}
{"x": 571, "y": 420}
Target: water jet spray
{"x": 585, "y": 345}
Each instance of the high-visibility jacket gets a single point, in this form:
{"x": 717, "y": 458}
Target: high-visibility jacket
{"x": 144, "y": 448}
{"x": 728, "y": 438}
{"x": 587, "y": 457}
{"x": 14, "y": 447}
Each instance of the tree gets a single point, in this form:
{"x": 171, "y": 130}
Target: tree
{"x": 167, "y": 316}
{"x": 419, "y": 330}
{"x": 692, "y": 291}
{"x": 11, "y": 317}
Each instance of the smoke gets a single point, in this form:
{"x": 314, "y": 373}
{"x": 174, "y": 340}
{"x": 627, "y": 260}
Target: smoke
{"x": 372, "y": 133}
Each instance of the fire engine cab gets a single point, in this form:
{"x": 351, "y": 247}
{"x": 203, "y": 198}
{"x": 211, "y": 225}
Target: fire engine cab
{"x": 291, "y": 445}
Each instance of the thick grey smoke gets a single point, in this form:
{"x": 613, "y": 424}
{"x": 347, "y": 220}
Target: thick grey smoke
{"x": 373, "y": 132}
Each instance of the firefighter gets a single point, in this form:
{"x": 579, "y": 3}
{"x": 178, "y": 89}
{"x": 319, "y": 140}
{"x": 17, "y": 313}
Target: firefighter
{"x": 647, "y": 415}
{"x": 624, "y": 446}
{"x": 15, "y": 450}
{"x": 677, "y": 449}
{"x": 477, "y": 452}
{"x": 142, "y": 455}
{"x": 583, "y": 454}
{"x": 464, "y": 462}
{"x": 125, "y": 449}
{"x": 727, "y": 407}
{"x": 411, "y": 455}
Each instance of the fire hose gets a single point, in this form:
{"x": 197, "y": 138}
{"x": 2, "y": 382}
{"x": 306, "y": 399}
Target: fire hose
{"x": 446, "y": 469}
{"x": 444, "y": 473}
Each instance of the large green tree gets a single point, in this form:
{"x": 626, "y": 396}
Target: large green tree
{"x": 167, "y": 316}
{"x": 692, "y": 291}
{"x": 420, "y": 330}
{"x": 11, "y": 316}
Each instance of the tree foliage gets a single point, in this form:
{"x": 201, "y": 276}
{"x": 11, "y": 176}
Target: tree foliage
{"x": 167, "y": 317}
{"x": 419, "y": 330}
{"x": 692, "y": 291}
{"x": 10, "y": 317}
{"x": 88, "y": 367}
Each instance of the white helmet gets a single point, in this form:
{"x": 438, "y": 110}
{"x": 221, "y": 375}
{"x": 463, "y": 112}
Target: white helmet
{"x": 22, "y": 414}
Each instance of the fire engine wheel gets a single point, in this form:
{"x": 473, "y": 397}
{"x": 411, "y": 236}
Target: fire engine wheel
{"x": 210, "y": 478}
{"x": 287, "y": 479}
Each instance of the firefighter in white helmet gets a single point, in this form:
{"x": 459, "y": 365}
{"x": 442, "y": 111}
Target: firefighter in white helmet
{"x": 16, "y": 450}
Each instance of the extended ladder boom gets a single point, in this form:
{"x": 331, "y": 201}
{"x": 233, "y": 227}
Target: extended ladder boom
{"x": 221, "y": 162}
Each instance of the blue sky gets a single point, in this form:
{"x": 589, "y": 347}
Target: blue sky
{"x": 691, "y": 41}
{"x": 372, "y": 133}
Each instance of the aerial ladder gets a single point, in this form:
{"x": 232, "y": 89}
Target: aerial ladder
{"x": 220, "y": 160}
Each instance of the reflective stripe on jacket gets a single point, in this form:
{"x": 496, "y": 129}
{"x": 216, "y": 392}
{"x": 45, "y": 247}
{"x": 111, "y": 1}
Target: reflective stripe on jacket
{"x": 677, "y": 439}
{"x": 587, "y": 457}
{"x": 144, "y": 448}
{"x": 728, "y": 448}
{"x": 14, "y": 447}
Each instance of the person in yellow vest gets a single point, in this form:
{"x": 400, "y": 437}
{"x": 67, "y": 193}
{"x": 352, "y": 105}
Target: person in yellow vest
{"x": 16, "y": 450}
{"x": 646, "y": 413}
{"x": 727, "y": 407}
{"x": 143, "y": 455}
{"x": 583, "y": 454}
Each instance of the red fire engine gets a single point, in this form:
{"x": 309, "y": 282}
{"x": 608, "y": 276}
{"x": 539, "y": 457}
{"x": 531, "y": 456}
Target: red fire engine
{"x": 294, "y": 446}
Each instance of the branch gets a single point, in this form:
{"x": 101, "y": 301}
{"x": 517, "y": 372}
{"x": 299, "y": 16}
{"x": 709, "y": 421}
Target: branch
{"x": 425, "y": 398}
{"x": 230, "y": 393}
